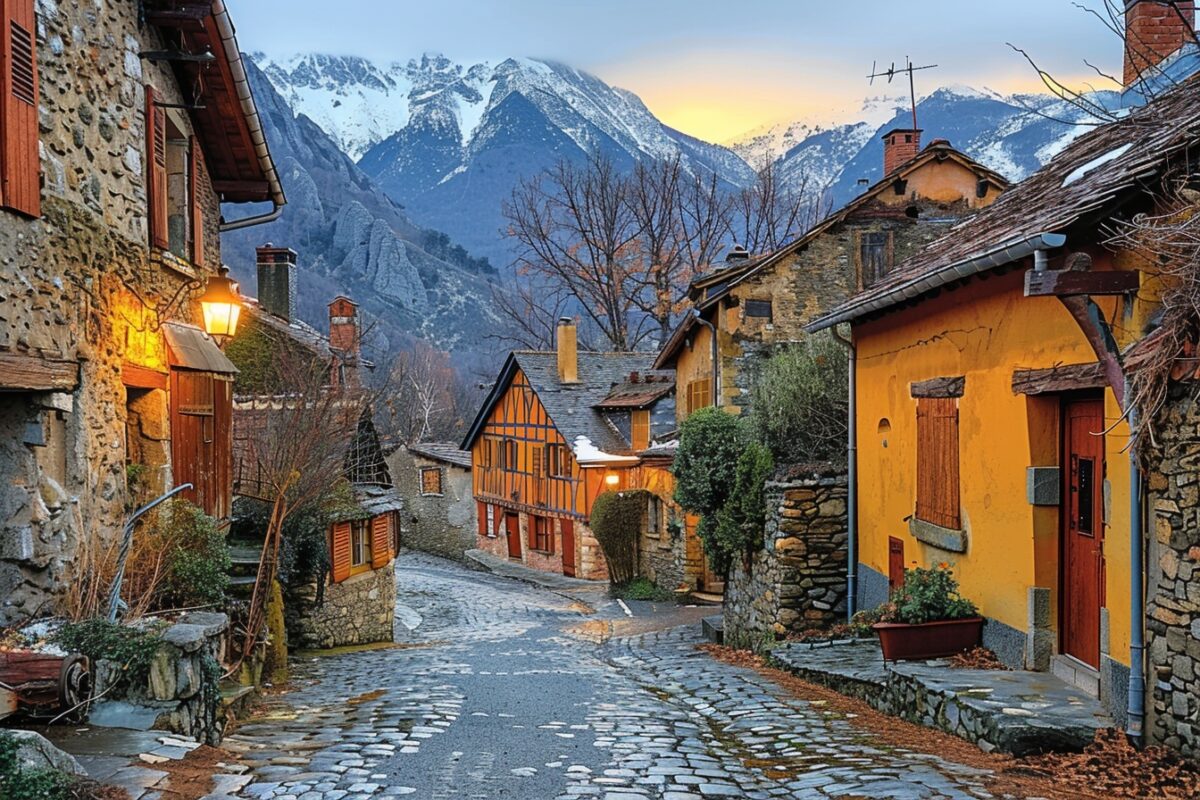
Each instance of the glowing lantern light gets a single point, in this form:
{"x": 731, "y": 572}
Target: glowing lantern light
{"x": 221, "y": 305}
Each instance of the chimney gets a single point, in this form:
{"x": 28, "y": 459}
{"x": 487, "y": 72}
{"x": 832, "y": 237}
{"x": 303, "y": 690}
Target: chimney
{"x": 1155, "y": 30}
{"x": 899, "y": 147}
{"x": 343, "y": 326}
{"x": 568, "y": 351}
{"x": 277, "y": 281}
{"x": 737, "y": 255}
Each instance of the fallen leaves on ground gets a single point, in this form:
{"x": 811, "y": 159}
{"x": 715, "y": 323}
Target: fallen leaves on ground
{"x": 191, "y": 777}
{"x": 1108, "y": 769}
{"x": 977, "y": 658}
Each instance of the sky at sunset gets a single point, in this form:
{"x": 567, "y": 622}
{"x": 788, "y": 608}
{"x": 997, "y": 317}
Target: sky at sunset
{"x": 713, "y": 69}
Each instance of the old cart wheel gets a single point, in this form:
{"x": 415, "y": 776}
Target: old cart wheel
{"x": 75, "y": 687}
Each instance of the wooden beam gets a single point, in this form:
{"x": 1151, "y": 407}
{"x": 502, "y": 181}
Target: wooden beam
{"x": 30, "y": 373}
{"x": 939, "y": 387}
{"x": 255, "y": 190}
{"x": 142, "y": 377}
{"x": 190, "y": 16}
{"x": 1066, "y": 283}
{"x": 1059, "y": 378}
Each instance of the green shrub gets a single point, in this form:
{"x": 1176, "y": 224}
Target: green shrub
{"x": 198, "y": 567}
{"x": 928, "y": 595}
{"x": 800, "y": 402}
{"x": 18, "y": 782}
{"x": 710, "y": 443}
{"x": 739, "y": 523}
{"x": 642, "y": 588}
{"x": 100, "y": 640}
{"x": 616, "y": 522}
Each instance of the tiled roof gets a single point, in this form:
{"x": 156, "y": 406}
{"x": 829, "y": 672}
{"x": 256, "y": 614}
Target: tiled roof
{"x": 446, "y": 452}
{"x": 639, "y": 390}
{"x": 570, "y": 405}
{"x": 1082, "y": 183}
{"x": 300, "y": 331}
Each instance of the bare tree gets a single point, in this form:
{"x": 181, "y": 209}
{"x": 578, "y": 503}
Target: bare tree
{"x": 531, "y": 308}
{"x": 427, "y": 398}
{"x": 767, "y": 214}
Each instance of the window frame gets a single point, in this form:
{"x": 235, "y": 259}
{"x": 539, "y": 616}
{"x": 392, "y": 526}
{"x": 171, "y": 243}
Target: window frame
{"x": 938, "y": 479}
{"x": 696, "y": 398}
{"x": 558, "y": 463}
{"x": 421, "y": 473}
{"x": 361, "y": 552}
{"x": 885, "y": 247}
{"x": 541, "y": 534}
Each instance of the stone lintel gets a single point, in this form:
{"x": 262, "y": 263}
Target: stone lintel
{"x": 955, "y": 541}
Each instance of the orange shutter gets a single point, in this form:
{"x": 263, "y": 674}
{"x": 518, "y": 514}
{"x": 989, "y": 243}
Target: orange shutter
{"x": 339, "y": 551}
{"x": 937, "y": 461}
{"x": 195, "y": 200}
{"x": 156, "y": 170}
{"x": 20, "y": 164}
{"x": 381, "y": 540}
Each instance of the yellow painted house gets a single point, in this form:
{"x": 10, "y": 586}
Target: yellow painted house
{"x": 988, "y": 411}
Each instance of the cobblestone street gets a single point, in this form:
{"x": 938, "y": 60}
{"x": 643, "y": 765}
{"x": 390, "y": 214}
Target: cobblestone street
{"x": 501, "y": 689}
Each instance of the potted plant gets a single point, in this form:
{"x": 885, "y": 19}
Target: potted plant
{"x": 927, "y": 618}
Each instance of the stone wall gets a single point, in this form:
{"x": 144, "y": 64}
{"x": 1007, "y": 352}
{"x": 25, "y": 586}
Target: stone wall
{"x": 181, "y": 693}
{"x": 79, "y": 284}
{"x": 359, "y": 610}
{"x": 1173, "y": 573}
{"x": 443, "y": 524}
{"x": 797, "y": 580}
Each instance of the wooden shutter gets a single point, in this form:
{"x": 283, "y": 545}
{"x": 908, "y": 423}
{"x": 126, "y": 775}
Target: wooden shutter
{"x": 937, "y": 461}
{"x": 895, "y": 563}
{"x": 339, "y": 551}
{"x": 20, "y": 163}
{"x": 381, "y": 540}
{"x": 481, "y": 518}
{"x": 195, "y": 200}
{"x": 156, "y": 170}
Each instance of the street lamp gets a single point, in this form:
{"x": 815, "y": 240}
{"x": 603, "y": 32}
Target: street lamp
{"x": 612, "y": 479}
{"x": 221, "y": 305}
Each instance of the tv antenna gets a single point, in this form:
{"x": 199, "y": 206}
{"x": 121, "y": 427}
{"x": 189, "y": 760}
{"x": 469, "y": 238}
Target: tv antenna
{"x": 893, "y": 71}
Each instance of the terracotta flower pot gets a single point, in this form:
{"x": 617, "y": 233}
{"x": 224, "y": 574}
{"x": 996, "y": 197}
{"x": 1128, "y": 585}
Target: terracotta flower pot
{"x": 902, "y": 642}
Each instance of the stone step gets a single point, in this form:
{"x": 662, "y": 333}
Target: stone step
{"x": 714, "y": 628}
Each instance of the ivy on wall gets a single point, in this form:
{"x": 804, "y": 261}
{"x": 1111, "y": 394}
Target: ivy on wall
{"x": 616, "y": 521}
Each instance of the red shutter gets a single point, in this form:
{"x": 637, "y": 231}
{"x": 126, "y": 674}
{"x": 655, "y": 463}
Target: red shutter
{"x": 20, "y": 164}
{"x": 156, "y": 170}
{"x": 481, "y": 514}
{"x": 381, "y": 540}
{"x": 339, "y": 551}
{"x": 895, "y": 563}
{"x": 937, "y": 461}
{"x": 196, "y": 200}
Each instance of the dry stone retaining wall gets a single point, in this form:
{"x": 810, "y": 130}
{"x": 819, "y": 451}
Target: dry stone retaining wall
{"x": 797, "y": 580}
{"x": 359, "y": 610}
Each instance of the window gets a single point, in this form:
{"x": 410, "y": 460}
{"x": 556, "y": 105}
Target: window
{"x": 508, "y": 455}
{"x": 654, "y": 514}
{"x": 937, "y": 462}
{"x": 541, "y": 534}
{"x": 174, "y": 169}
{"x": 699, "y": 395}
{"x": 760, "y": 309}
{"x": 360, "y": 545}
{"x": 640, "y": 429}
{"x": 20, "y": 162}
{"x": 875, "y": 255}
{"x": 559, "y": 465}
{"x": 431, "y": 480}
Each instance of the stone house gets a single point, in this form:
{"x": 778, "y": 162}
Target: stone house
{"x": 753, "y": 305}
{"x": 354, "y": 601}
{"x": 992, "y": 419}
{"x": 434, "y": 478}
{"x": 114, "y": 159}
{"x": 544, "y": 445}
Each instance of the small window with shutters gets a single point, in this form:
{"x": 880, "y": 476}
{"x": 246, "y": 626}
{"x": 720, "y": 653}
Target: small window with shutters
{"x": 431, "y": 481}
{"x": 699, "y": 395}
{"x": 874, "y": 256}
{"x": 937, "y": 462}
{"x": 360, "y": 546}
{"x": 640, "y": 429}
{"x": 174, "y": 180}
{"x": 20, "y": 162}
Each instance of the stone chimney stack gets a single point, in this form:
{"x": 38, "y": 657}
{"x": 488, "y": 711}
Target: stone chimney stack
{"x": 277, "y": 281}
{"x": 568, "y": 351}
{"x": 899, "y": 147}
{"x": 343, "y": 326}
{"x": 1155, "y": 30}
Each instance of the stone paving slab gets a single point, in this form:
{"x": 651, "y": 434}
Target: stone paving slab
{"x": 1018, "y": 712}
{"x": 516, "y": 571}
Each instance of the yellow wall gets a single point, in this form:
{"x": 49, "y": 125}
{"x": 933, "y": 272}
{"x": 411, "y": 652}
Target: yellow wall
{"x": 943, "y": 182}
{"x": 983, "y": 331}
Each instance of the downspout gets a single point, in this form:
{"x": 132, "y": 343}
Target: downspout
{"x": 716, "y": 364}
{"x": 851, "y": 477}
{"x": 1136, "y": 712}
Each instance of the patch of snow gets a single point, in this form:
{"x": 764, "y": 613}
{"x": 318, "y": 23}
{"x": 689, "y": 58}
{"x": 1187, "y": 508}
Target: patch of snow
{"x": 1096, "y": 163}
{"x": 588, "y": 453}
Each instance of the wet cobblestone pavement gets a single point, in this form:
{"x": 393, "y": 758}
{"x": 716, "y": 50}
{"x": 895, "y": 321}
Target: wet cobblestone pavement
{"x": 502, "y": 690}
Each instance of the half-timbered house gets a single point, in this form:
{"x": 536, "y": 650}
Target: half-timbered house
{"x": 549, "y": 439}
{"x": 122, "y": 130}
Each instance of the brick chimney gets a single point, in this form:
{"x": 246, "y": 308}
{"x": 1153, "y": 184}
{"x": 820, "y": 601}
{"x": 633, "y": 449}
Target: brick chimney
{"x": 568, "y": 351}
{"x": 344, "y": 337}
{"x": 900, "y": 146}
{"x": 1155, "y": 30}
{"x": 277, "y": 281}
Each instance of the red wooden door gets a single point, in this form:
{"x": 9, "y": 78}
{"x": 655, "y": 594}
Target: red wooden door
{"x": 512, "y": 524}
{"x": 568, "y": 547}
{"x": 895, "y": 563}
{"x": 1082, "y": 530}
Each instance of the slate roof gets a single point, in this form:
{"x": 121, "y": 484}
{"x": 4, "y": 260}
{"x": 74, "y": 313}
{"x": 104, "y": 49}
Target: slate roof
{"x": 300, "y": 331}
{"x": 709, "y": 288}
{"x": 648, "y": 388}
{"x": 1081, "y": 185}
{"x": 571, "y": 406}
{"x": 446, "y": 452}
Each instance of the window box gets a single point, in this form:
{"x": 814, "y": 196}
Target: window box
{"x": 953, "y": 540}
{"x": 940, "y": 639}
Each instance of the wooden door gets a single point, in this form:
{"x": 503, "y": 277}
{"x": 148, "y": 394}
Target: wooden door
{"x": 895, "y": 563}
{"x": 568, "y": 547}
{"x": 512, "y": 525}
{"x": 1082, "y": 586}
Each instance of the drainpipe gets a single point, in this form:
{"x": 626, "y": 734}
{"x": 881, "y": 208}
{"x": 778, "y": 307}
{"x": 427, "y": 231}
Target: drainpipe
{"x": 851, "y": 478}
{"x": 1137, "y": 640}
{"x": 716, "y": 364}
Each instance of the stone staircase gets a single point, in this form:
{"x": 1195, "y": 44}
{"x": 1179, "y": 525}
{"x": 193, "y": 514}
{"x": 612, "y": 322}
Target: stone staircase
{"x": 243, "y": 568}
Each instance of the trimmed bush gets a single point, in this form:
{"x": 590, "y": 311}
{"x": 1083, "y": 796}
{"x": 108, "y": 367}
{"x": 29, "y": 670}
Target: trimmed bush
{"x": 799, "y": 401}
{"x": 616, "y": 522}
{"x": 739, "y": 523}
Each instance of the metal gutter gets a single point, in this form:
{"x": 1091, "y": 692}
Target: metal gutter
{"x": 921, "y": 284}
{"x": 1136, "y": 712}
{"x": 250, "y": 110}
